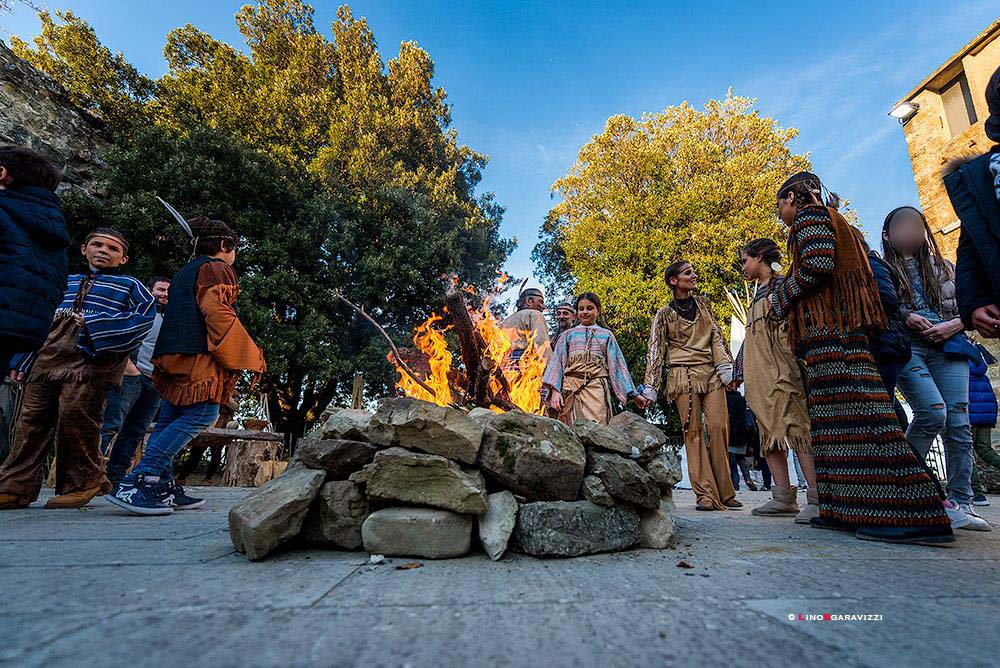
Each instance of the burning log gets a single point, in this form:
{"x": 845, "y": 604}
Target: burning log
{"x": 487, "y": 386}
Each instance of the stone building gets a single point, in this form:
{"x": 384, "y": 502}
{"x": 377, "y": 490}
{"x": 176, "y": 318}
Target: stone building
{"x": 943, "y": 119}
{"x": 35, "y": 111}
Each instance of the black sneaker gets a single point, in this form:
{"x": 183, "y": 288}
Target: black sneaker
{"x": 173, "y": 495}
{"x": 136, "y": 495}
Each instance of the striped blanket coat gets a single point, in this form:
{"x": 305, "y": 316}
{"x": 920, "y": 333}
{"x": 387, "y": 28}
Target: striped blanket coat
{"x": 118, "y": 312}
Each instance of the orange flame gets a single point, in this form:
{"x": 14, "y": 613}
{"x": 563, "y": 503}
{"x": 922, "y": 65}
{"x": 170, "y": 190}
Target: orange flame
{"x": 524, "y": 377}
{"x": 429, "y": 341}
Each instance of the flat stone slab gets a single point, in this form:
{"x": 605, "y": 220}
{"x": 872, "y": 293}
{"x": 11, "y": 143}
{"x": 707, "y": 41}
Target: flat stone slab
{"x": 431, "y": 533}
{"x": 574, "y": 528}
{"x": 419, "y": 425}
{"x": 397, "y": 474}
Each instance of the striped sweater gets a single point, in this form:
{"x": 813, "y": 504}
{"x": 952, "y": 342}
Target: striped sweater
{"x": 117, "y": 310}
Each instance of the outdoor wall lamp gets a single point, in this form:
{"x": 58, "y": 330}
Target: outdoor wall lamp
{"x": 904, "y": 111}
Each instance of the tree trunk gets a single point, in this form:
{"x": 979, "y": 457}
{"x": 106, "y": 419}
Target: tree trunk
{"x": 245, "y": 459}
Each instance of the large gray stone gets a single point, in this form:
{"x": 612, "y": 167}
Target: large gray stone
{"x": 497, "y": 524}
{"x": 420, "y": 425}
{"x": 533, "y": 456}
{"x": 482, "y": 416}
{"x": 657, "y": 526}
{"x": 336, "y": 515}
{"x": 273, "y": 513}
{"x": 643, "y": 435}
{"x": 595, "y": 491}
{"x": 427, "y": 480}
{"x": 417, "y": 532}
{"x": 574, "y": 528}
{"x": 624, "y": 479}
{"x": 665, "y": 469}
{"x": 339, "y": 458}
{"x": 593, "y": 435}
{"x": 349, "y": 424}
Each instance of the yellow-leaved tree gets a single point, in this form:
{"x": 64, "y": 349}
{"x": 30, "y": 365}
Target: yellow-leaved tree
{"x": 683, "y": 183}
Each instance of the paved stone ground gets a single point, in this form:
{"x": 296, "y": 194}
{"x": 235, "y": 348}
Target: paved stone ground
{"x": 95, "y": 587}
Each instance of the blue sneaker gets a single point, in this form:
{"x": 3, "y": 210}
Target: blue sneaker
{"x": 139, "y": 496}
{"x": 174, "y": 496}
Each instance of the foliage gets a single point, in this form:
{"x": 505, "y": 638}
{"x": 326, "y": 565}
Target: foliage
{"x": 340, "y": 171}
{"x": 682, "y": 183}
{"x": 101, "y": 82}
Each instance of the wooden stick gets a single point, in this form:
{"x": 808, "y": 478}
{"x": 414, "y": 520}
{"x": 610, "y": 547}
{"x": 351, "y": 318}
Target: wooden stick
{"x": 397, "y": 358}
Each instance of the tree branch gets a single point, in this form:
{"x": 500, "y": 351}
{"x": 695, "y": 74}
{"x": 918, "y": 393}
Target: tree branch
{"x": 397, "y": 358}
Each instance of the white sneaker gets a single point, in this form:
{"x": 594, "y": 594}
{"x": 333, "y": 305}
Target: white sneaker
{"x": 976, "y": 522}
{"x": 959, "y": 520}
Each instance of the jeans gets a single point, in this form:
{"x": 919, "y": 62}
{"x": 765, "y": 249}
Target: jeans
{"x": 176, "y": 427}
{"x": 737, "y": 465}
{"x": 984, "y": 448}
{"x": 127, "y": 415}
{"x": 799, "y": 475}
{"x": 937, "y": 389}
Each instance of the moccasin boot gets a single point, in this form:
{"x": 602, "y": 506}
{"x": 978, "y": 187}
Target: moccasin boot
{"x": 13, "y": 502}
{"x": 73, "y": 499}
{"x": 812, "y": 507}
{"x": 782, "y": 503}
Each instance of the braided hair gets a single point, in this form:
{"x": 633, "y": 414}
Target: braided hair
{"x": 808, "y": 189}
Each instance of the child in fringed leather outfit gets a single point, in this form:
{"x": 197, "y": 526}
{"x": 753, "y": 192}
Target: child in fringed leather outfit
{"x": 775, "y": 389}
{"x": 199, "y": 356}
{"x": 686, "y": 339}
{"x": 103, "y": 317}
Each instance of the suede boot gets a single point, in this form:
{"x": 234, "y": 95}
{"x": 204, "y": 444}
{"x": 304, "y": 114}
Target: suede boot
{"x": 74, "y": 499}
{"x": 812, "y": 507}
{"x": 782, "y": 503}
{"x": 13, "y": 502}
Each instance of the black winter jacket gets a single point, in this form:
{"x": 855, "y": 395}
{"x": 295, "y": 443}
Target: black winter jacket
{"x": 33, "y": 265}
{"x": 977, "y": 271}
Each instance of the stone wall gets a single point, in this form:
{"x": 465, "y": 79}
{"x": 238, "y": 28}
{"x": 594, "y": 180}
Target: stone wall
{"x": 931, "y": 145}
{"x": 35, "y": 111}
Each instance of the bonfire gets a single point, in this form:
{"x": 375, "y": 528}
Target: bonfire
{"x": 484, "y": 375}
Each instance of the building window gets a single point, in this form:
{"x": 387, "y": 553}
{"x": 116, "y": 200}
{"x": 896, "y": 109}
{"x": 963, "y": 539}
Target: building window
{"x": 959, "y": 111}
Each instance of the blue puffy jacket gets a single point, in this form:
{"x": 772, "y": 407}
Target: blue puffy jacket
{"x": 33, "y": 265}
{"x": 982, "y": 401}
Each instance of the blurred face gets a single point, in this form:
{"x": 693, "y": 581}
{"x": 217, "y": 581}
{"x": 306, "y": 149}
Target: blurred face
{"x": 4, "y": 178}
{"x": 686, "y": 280}
{"x": 161, "y": 292}
{"x": 104, "y": 252}
{"x": 906, "y": 232}
{"x": 586, "y": 312}
{"x": 535, "y": 303}
{"x": 752, "y": 267}
{"x": 565, "y": 317}
{"x": 786, "y": 209}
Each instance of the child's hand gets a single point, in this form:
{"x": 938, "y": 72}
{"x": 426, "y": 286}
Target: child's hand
{"x": 556, "y": 401}
{"x": 78, "y": 319}
{"x": 16, "y": 376}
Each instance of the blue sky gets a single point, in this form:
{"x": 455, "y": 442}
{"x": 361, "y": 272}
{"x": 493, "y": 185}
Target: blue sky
{"x": 531, "y": 82}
